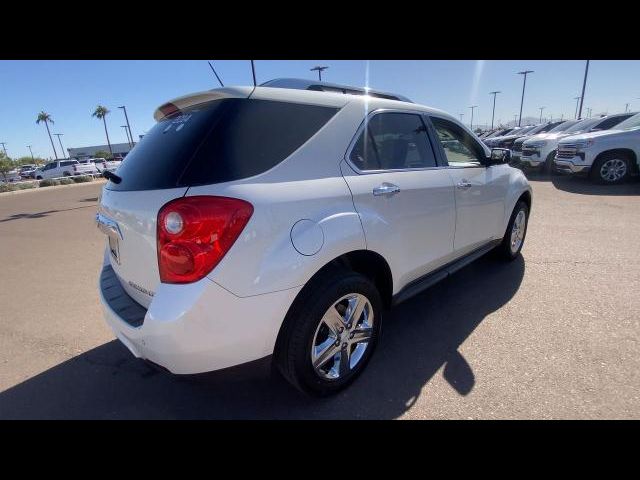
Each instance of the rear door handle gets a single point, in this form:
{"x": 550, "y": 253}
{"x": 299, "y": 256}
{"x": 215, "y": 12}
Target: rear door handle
{"x": 464, "y": 184}
{"x": 386, "y": 189}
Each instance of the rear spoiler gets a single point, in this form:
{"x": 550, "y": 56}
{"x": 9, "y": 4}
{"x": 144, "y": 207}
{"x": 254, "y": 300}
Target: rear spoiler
{"x": 181, "y": 103}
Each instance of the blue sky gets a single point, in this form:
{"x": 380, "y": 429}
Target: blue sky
{"x": 70, "y": 90}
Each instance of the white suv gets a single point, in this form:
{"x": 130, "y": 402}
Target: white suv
{"x": 283, "y": 220}
{"x": 609, "y": 156}
{"x": 540, "y": 150}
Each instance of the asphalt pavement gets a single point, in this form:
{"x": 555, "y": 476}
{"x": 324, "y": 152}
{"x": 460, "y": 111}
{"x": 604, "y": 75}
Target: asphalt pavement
{"x": 554, "y": 334}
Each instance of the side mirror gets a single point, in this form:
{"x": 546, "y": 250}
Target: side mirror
{"x": 500, "y": 156}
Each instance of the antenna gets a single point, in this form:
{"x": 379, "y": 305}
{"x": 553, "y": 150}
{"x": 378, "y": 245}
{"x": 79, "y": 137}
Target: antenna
{"x": 253, "y": 70}
{"x": 215, "y": 73}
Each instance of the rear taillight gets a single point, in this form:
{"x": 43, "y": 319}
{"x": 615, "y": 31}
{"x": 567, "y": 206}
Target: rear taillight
{"x": 195, "y": 233}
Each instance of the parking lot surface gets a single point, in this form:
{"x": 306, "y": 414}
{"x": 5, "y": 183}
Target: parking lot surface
{"x": 554, "y": 334}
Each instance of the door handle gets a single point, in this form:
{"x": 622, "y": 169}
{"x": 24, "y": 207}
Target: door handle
{"x": 386, "y": 189}
{"x": 464, "y": 184}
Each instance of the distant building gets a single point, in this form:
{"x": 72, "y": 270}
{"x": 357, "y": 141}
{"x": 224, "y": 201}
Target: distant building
{"x": 119, "y": 150}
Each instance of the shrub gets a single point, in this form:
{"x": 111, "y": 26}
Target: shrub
{"x": 26, "y": 185}
{"x": 49, "y": 183}
{"x": 7, "y": 187}
{"x": 65, "y": 181}
{"x": 82, "y": 179}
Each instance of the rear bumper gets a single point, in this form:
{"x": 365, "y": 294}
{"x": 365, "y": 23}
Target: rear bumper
{"x": 197, "y": 327}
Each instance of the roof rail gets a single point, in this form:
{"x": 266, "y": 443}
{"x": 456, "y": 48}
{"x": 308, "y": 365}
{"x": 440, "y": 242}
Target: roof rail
{"x": 301, "y": 84}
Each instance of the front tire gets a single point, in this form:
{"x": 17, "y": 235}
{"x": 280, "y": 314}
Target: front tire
{"x": 330, "y": 333}
{"x": 547, "y": 166}
{"x": 513, "y": 239}
{"x": 611, "y": 168}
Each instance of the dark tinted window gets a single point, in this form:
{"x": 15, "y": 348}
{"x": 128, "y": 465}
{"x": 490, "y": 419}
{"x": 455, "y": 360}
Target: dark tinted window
{"x": 67, "y": 163}
{"x": 393, "y": 141}
{"x": 608, "y": 123}
{"x": 218, "y": 142}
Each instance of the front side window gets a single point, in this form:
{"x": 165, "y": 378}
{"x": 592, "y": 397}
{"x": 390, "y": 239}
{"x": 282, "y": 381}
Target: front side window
{"x": 459, "y": 147}
{"x": 393, "y": 141}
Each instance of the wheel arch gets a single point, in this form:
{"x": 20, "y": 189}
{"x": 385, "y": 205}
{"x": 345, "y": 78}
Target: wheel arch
{"x": 366, "y": 262}
{"x": 624, "y": 151}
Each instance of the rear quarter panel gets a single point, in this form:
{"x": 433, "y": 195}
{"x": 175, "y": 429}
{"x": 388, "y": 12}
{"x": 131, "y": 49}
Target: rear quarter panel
{"x": 308, "y": 185}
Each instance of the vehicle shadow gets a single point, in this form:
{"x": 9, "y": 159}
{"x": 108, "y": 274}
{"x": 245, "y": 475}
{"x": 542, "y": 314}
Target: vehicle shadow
{"x": 419, "y": 337}
{"x": 584, "y": 186}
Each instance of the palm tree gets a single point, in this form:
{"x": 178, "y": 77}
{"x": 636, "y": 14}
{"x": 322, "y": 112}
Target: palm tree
{"x": 46, "y": 118}
{"x": 101, "y": 113}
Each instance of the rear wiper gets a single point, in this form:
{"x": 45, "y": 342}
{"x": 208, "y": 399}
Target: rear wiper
{"x": 111, "y": 176}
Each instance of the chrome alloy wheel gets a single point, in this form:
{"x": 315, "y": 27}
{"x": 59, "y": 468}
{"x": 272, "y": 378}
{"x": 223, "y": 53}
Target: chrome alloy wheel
{"x": 613, "y": 170}
{"x": 518, "y": 230}
{"x": 342, "y": 336}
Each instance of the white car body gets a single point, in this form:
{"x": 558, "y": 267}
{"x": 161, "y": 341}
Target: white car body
{"x": 11, "y": 176}
{"x": 542, "y": 148}
{"x": 103, "y": 165}
{"x": 577, "y": 154}
{"x": 63, "y": 168}
{"x": 308, "y": 210}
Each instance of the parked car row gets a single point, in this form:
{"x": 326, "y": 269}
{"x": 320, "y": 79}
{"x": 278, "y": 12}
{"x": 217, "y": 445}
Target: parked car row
{"x": 606, "y": 148}
{"x": 70, "y": 167}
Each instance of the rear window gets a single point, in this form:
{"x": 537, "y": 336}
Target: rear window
{"x": 218, "y": 142}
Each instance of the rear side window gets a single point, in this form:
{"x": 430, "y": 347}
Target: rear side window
{"x": 67, "y": 163}
{"x": 393, "y": 141}
{"x": 218, "y": 142}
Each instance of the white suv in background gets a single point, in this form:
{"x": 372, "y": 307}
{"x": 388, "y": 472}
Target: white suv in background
{"x": 539, "y": 151}
{"x": 283, "y": 220}
{"x": 609, "y": 156}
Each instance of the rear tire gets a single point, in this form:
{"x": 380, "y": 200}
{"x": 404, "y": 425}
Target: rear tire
{"x": 311, "y": 353}
{"x": 513, "y": 239}
{"x": 611, "y": 168}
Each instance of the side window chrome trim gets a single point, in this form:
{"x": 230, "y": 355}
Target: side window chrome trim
{"x": 362, "y": 126}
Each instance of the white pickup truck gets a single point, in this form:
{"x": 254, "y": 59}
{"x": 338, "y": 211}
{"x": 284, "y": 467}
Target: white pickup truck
{"x": 608, "y": 156}
{"x": 63, "y": 168}
{"x": 108, "y": 165}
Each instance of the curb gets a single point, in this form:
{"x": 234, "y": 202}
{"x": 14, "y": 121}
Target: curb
{"x": 31, "y": 190}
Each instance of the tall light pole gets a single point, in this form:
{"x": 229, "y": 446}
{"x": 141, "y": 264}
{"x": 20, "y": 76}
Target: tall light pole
{"x": 584, "y": 84}
{"x": 128, "y": 125}
{"x": 61, "y": 147}
{"x": 472, "y": 107}
{"x": 32, "y": 159}
{"x": 461, "y": 115}
{"x": 524, "y": 84}
{"x": 494, "y": 105}
{"x": 541, "y": 108}
{"x": 626, "y": 108}
{"x": 576, "y": 99}
{"x": 320, "y": 70}
{"x": 515, "y": 117}
{"x": 126, "y": 132}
